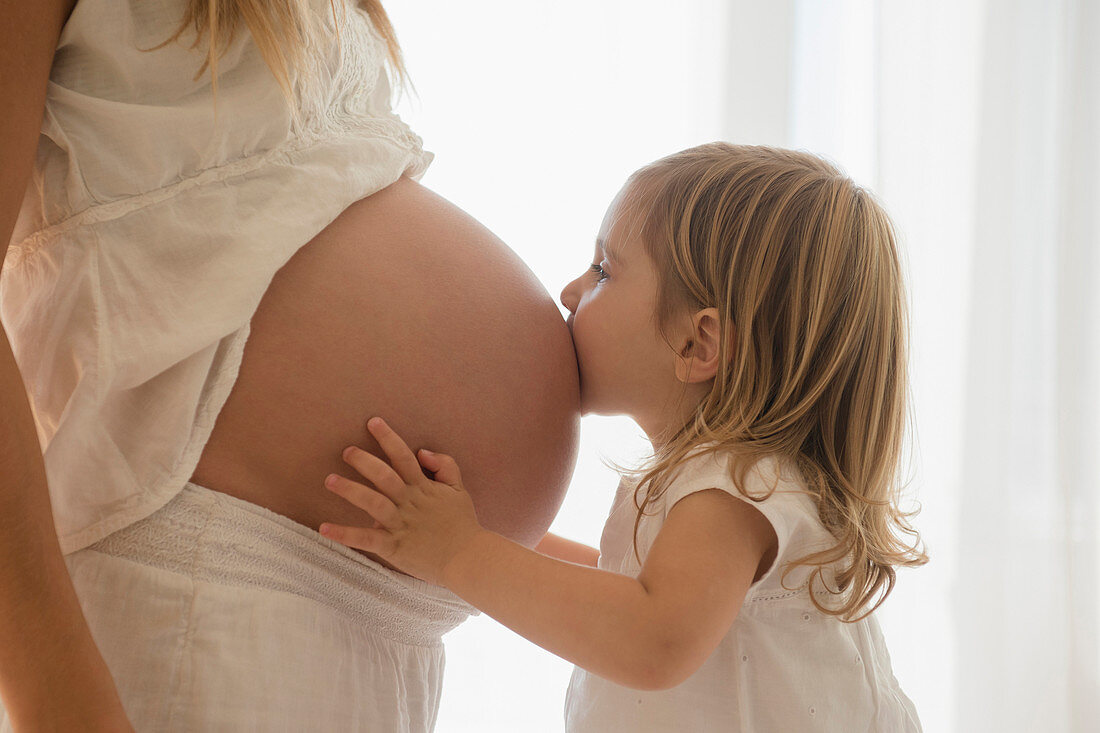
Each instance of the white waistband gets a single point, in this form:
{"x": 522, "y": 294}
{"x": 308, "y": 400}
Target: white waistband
{"x": 219, "y": 538}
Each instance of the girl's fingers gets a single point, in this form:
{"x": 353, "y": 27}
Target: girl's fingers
{"x": 442, "y": 466}
{"x": 378, "y": 541}
{"x": 372, "y": 502}
{"x": 377, "y": 471}
{"x": 402, "y": 459}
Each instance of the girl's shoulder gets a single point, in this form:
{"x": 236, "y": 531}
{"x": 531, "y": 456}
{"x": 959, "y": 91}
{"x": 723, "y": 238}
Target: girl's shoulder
{"x": 771, "y": 483}
{"x": 759, "y": 478}
{"x": 774, "y": 485}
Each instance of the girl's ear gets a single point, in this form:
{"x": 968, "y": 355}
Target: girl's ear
{"x": 698, "y": 359}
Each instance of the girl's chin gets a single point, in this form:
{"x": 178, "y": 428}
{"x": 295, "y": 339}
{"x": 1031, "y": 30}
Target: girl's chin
{"x": 602, "y": 411}
{"x": 591, "y": 405}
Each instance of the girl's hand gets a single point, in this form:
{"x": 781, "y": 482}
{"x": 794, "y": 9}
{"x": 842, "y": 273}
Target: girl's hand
{"x": 423, "y": 523}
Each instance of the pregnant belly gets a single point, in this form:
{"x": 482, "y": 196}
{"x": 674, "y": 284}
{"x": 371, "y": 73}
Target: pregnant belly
{"x": 407, "y": 308}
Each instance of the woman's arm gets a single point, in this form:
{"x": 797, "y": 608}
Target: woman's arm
{"x": 562, "y": 549}
{"x": 650, "y": 632}
{"x": 52, "y": 676}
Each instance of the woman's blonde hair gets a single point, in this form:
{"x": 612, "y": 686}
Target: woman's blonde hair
{"x": 803, "y": 265}
{"x": 279, "y": 29}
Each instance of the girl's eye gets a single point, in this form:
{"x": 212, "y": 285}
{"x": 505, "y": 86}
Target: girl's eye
{"x": 599, "y": 271}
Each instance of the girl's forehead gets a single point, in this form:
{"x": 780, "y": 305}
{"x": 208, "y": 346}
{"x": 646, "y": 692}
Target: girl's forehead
{"x": 621, "y": 228}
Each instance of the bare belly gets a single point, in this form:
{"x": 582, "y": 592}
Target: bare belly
{"x": 407, "y": 308}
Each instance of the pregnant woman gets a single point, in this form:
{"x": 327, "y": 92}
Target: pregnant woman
{"x": 207, "y": 292}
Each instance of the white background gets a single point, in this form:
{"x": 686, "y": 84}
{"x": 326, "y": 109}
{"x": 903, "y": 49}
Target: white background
{"x": 537, "y": 112}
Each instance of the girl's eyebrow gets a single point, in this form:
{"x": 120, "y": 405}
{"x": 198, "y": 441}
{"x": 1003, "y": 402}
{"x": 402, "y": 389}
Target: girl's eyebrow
{"x": 609, "y": 254}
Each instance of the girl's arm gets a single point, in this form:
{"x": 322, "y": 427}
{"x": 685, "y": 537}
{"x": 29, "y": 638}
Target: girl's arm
{"x": 650, "y": 632}
{"x": 562, "y": 549}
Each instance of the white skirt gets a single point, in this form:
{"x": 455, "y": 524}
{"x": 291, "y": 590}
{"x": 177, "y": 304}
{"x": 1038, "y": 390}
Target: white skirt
{"x": 215, "y": 614}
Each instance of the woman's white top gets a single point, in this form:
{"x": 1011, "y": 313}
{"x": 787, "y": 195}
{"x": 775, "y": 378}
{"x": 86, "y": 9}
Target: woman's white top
{"x": 783, "y": 666}
{"x": 137, "y": 264}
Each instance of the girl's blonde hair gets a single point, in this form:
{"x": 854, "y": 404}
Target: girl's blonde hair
{"x": 803, "y": 265}
{"x": 279, "y": 29}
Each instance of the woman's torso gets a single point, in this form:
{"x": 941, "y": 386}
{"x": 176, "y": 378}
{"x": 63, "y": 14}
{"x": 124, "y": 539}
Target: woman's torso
{"x": 403, "y": 307}
{"x": 155, "y": 237}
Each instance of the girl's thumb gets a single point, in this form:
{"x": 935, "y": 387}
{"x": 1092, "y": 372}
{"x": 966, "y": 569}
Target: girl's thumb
{"x": 443, "y": 466}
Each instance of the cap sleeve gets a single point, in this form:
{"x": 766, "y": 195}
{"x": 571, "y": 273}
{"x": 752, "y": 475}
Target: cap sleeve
{"x": 784, "y": 508}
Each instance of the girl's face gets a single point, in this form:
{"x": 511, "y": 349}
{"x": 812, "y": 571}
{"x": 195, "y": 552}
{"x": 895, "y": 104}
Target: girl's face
{"x": 626, "y": 368}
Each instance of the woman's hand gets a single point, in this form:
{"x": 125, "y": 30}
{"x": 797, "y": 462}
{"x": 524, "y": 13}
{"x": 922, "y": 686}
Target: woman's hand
{"x": 424, "y": 523}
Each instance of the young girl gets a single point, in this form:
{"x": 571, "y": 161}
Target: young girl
{"x": 746, "y": 307}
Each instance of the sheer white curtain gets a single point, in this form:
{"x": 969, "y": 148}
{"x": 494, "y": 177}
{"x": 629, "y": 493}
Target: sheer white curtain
{"x": 983, "y": 120}
{"x": 976, "y": 123}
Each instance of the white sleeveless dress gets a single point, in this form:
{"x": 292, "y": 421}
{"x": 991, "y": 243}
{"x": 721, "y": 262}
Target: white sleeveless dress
{"x": 783, "y": 665}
